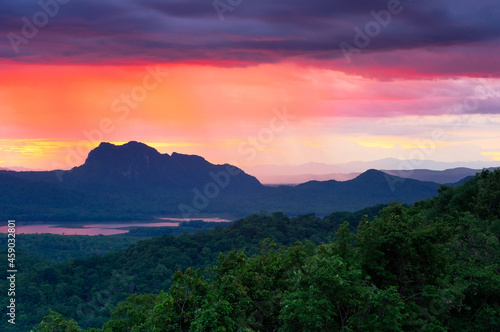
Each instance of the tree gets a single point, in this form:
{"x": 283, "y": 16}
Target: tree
{"x": 55, "y": 322}
{"x": 327, "y": 295}
{"x": 176, "y": 310}
{"x": 131, "y": 314}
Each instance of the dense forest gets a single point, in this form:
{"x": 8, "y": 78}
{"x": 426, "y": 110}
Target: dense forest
{"x": 87, "y": 289}
{"x": 58, "y": 248}
{"x": 432, "y": 266}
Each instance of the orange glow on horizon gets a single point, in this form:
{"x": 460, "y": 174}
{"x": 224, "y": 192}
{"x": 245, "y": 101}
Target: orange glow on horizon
{"x": 226, "y": 113}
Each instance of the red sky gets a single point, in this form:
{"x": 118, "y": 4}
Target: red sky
{"x": 251, "y": 90}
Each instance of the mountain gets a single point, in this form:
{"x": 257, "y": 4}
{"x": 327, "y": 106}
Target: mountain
{"x": 302, "y": 178}
{"x": 269, "y": 171}
{"x": 137, "y": 168}
{"x": 131, "y": 181}
{"x": 447, "y": 176}
{"x": 442, "y": 177}
{"x": 134, "y": 181}
{"x": 370, "y": 188}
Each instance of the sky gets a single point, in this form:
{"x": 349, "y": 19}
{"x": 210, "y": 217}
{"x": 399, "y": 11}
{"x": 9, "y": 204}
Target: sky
{"x": 250, "y": 82}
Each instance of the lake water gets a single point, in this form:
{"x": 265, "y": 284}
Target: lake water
{"x": 104, "y": 228}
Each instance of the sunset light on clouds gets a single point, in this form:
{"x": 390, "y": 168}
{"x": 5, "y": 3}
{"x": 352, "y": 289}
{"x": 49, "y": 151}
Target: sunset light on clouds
{"x": 172, "y": 75}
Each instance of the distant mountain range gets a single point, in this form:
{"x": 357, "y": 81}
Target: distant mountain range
{"x": 296, "y": 174}
{"x": 442, "y": 177}
{"x": 134, "y": 181}
{"x": 18, "y": 169}
{"x": 302, "y": 178}
{"x": 369, "y": 188}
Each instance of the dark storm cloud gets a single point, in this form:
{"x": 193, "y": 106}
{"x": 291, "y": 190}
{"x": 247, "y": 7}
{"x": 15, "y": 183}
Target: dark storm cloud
{"x": 127, "y": 31}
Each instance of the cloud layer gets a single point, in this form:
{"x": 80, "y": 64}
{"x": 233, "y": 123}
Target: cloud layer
{"x": 421, "y": 37}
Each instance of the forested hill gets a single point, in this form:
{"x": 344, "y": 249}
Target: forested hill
{"x": 75, "y": 288}
{"x": 434, "y": 266}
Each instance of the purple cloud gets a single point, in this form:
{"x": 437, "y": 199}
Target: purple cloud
{"x": 255, "y": 31}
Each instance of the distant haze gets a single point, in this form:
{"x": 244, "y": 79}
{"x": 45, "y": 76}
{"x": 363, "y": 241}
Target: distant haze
{"x": 295, "y": 174}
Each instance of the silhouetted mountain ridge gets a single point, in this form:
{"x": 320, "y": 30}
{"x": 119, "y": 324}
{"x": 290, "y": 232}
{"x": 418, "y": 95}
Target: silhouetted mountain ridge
{"x": 138, "y": 168}
{"x": 369, "y": 188}
{"x": 135, "y": 179}
{"x": 451, "y": 175}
